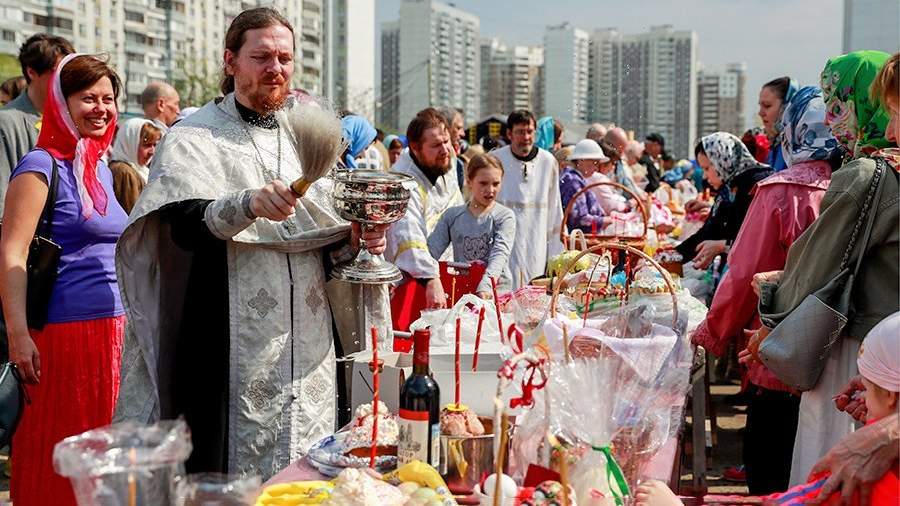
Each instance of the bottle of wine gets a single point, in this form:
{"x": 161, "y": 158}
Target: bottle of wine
{"x": 420, "y": 398}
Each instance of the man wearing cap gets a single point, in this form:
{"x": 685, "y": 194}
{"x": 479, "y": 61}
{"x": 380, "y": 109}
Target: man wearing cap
{"x": 653, "y": 148}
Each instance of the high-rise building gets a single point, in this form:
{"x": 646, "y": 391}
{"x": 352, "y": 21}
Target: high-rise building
{"x": 350, "y": 55}
{"x": 178, "y": 41}
{"x": 439, "y": 60}
{"x": 720, "y": 99}
{"x": 872, "y": 24}
{"x": 388, "y": 103}
{"x": 566, "y": 73}
{"x": 647, "y": 83}
{"x": 510, "y": 78}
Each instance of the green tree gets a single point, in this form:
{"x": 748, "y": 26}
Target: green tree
{"x": 196, "y": 84}
{"x": 9, "y": 67}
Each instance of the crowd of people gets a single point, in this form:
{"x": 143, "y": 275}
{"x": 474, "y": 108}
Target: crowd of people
{"x": 191, "y": 279}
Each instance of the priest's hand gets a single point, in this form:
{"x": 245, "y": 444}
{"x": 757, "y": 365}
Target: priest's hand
{"x": 372, "y": 235}
{"x": 274, "y": 201}
{"x": 435, "y": 298}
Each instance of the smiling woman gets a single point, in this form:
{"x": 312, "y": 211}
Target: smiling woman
{"x": 68, "y": 350}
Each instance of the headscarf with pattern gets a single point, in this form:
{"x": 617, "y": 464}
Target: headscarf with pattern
{"x": 806, "y": 136}
{"x": 857, "y": 122}
{"x": 728, "y": 155}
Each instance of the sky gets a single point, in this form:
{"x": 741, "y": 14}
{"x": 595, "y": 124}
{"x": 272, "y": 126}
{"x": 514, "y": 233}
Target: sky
{"x": 773, "y": 37}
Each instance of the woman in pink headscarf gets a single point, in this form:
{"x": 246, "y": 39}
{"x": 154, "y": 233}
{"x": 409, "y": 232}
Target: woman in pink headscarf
{"x": 68, "y": 353}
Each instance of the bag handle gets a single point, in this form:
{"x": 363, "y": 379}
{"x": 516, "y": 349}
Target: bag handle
{"x": 46, "y": 219}
{"x": 867, "y": 214}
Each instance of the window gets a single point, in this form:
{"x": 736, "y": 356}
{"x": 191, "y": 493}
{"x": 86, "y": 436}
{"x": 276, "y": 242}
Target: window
{"x": 9, "y": 35}
{"x": 134, "y": 16}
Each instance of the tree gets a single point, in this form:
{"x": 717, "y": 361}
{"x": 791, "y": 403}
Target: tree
{"x": 9, "y": 67}
{"x": 196, "y": 84}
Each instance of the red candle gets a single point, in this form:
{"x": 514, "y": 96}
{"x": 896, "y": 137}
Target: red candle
{"x": 374, "y": 398}
{"x": 457, "y": 362}
{"x": 497, "y": 307}
{"x": 587, "y": 307}
{"x": 477, "y": 339}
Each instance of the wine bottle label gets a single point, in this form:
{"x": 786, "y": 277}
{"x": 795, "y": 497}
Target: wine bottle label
{"x": 416, "y": 437}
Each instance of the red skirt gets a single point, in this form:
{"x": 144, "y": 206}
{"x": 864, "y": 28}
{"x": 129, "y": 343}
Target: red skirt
{"x": 78, "y": 390}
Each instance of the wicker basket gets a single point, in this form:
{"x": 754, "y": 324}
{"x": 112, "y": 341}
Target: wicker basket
{"x": 592, "y": 239}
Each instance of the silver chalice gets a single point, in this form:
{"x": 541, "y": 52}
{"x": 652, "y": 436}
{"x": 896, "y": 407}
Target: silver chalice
{"x": 370, "y": 197}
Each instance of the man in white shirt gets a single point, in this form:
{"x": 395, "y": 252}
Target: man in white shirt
{"x": 428, "y": 161}
{"x": 531, "y": 189}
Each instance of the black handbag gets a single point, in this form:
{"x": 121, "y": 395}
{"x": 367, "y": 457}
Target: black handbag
{"x": 43, "y": 261}
{"x": 12, "y": 401}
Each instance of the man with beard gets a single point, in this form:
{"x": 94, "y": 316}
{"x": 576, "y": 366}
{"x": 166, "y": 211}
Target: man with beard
{"x": 531, "y": 189}
{"x": 428, "y": 162}
{"x": 222, "y": 271}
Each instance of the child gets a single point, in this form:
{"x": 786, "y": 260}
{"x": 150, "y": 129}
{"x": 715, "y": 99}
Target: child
{"x": 481, "y": 229}
{"x": 879, "y": 367}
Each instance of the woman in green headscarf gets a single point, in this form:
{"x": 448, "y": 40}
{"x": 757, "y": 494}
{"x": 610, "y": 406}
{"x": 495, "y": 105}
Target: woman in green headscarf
{"x": 858, "y": 122}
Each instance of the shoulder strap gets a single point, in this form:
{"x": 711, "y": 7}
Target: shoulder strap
{"x": 50, "y": 204}
{"x": 868, "y": 215}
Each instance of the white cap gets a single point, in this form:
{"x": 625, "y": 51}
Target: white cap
{"x": 588, "y": 149}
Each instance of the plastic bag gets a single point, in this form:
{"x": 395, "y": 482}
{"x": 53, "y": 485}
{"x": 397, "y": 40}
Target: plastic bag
{"x": 215, "y": 489}
{"x": 125, "y": 463}
{"x": 442, "y": 323}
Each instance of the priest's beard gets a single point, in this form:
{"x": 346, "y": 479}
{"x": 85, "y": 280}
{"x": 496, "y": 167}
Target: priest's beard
{"x": 431, "y": 167}
{"x": 261, "y": 101}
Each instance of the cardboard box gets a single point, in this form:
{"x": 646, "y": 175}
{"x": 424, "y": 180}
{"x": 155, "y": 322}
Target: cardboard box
{"x": 477, "y": 389}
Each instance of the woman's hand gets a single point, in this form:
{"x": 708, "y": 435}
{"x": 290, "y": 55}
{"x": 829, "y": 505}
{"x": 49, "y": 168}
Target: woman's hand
{"x": 25, "y": 355}
{"x": 851, "y": 399}
{"x": 751, "y": 353}
{"x": 435, "y": 298}
{"x": 696, "y": 206}
{"x": 274, "y": 201}
{"x": 706, "y": 252}
{"x": 858, "y": 461}
{"x": 761, "y": 278}
{"x": 372, "y": 236}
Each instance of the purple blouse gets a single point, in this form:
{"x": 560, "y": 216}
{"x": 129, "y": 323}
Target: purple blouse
{"x": 586, "y": 212}
{"x": 86, "y": 287}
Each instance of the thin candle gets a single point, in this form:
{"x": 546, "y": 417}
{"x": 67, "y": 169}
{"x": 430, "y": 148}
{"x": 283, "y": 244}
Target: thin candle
{"x": 375, "y": 388}
{"x": 453, "y": 290}
{"x": 565, "y": 329}
{"x": 497, "y": 307}
{"x": 477, "y": 339}
{"x": 456, "y": 365}
{"x": 587, "y": 306}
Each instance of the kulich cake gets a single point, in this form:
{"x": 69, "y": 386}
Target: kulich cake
{"x": 460, "y": 421}
{"x": 358, "y": 487}
{"x": 359, "y": 441}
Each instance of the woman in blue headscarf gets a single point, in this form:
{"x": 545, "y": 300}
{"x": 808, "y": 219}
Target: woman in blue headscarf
{"x": 785, "y": 204}
{"x": 359, "y": 134}
{"x": 774, "y": 97}
{"x": 549, "y": 134}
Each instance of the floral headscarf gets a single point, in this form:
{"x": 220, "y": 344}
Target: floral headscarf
{"x": 806, "y": 136}
{"x": 856, "y": 120}
{"x": 728, "y": 155}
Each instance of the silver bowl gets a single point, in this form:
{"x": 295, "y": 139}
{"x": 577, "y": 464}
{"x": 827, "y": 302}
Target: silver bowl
{"x": 370, "y": 197}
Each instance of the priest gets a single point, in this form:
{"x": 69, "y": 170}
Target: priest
{"x": 531, "y": 189}
{"x": 222, "y": 271}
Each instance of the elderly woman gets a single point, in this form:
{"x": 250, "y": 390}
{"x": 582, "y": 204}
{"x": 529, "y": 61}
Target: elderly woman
{"x": 586, "y": 213}
{"x": 130, "y": 159}
{"x": 816, "y": 257}
{"x": 785, "y": 204}
{"x": 731, "y": 170}
{"x": 71, "y": 363}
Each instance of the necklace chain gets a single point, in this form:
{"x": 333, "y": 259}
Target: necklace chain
{"x": 259, "y": 153}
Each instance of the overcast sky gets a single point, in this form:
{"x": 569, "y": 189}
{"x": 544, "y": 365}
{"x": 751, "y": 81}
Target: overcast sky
{"x": 773, "y": 37}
